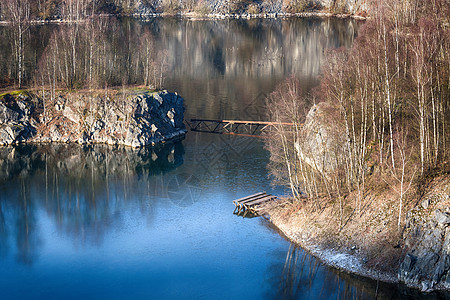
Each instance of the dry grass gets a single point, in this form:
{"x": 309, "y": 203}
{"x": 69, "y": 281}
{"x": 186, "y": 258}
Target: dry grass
{"x": 371, "y": 230}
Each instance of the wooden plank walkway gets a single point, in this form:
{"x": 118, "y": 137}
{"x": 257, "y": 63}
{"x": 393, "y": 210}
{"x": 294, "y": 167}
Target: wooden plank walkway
{"x": 250, "y": 203}
{"x": 250, "y": 128}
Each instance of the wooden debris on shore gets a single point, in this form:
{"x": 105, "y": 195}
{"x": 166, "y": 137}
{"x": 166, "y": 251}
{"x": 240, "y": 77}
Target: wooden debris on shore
{"x": 251, "y": 204}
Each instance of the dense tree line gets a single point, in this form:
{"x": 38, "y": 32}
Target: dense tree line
{"x": 96, "y": 53}
{"x": 73, "y": 9}
{"x": 386, "y": 102}
{"x": 86, "y": 56}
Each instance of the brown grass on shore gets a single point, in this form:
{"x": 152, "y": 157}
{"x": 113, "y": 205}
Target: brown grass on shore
{"x": 369, "y": 231}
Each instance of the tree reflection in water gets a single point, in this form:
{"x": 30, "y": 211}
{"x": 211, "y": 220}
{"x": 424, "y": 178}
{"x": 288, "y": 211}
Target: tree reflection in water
{"x": 83, "y": 189}
{"x": 27, "y": 239}
{"x": 302, "y": 273}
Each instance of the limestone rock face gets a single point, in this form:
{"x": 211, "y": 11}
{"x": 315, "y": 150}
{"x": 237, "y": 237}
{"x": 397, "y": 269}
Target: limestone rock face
{"x": 351, "y": 6}
{"x": 15, "y": 117}
{"x": 135, "y": 119}
{"x": 143, "y": 8}
{"x": 427, "y": 241}
{"x": 323, "y": 139}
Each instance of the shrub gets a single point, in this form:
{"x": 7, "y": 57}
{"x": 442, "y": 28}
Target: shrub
{"x": 296, "y": 6}
{"x": 339, "y": 7}
{"x": 202, "y": 8}
{"x": 238, "y": 6}
{"x": 253, "y": 9}
{"x": 171, "y": 6}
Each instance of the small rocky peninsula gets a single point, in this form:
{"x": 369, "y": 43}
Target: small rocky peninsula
{"x": 133, "y": 117}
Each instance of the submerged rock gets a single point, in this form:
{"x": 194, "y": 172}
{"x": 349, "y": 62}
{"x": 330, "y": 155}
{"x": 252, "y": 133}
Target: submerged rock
{"x": 128, "y": 118}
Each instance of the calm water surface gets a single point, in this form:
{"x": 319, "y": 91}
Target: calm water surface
{"x": 102, "y": 222}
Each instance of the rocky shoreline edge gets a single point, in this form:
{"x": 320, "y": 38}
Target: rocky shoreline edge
{"x": 132, "y": 117}
{"x": 424, "y": 242}
{"x": 279, "y": 15}
{"x": 341, "y": 260}
{"x": 215, "y": 16}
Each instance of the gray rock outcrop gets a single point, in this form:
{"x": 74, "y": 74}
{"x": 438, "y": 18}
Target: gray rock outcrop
{"x": 323, "y": 140}
{"x": 15, "y": 118}
{"x": 350, "y": 6}
{"x": 427, "y": 242}
{"x": 129, "y": 118}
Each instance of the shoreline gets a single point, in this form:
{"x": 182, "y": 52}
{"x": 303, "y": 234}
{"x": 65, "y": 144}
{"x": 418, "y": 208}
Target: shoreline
{"x": 199, "y": 17}
{"x": 349, "y": 263}
{"x": 348, "y": 260}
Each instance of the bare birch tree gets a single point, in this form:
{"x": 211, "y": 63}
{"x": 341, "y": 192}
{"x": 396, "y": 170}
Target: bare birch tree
{"x": 18, "y": 13}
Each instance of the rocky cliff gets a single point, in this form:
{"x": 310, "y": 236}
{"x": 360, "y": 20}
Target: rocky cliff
{"x": 323, "y": 140}
{"x": 133, "y": 118}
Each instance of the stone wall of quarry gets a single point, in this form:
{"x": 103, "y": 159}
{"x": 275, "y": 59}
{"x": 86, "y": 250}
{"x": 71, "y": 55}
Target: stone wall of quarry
{"x": 426, "y": 264}
{"x": 132, "y": 118}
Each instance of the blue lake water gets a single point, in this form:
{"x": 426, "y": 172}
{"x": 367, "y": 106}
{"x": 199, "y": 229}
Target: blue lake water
{"x": 113, "y": 223}
{"x": 101, "y": 222}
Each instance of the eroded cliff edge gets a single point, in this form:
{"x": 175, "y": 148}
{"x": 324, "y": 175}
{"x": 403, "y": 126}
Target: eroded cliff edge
{"x": 134, "y": 117}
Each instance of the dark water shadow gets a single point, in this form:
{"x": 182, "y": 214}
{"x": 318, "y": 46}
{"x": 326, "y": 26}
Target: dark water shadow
{"x": 83, "y": 189}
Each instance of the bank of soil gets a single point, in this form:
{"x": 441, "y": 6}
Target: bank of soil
{"x": 367, "y": 242}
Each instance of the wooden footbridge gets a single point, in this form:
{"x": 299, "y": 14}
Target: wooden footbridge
{"x": 250, "y": 128}
{"x": 252, "y": 203}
